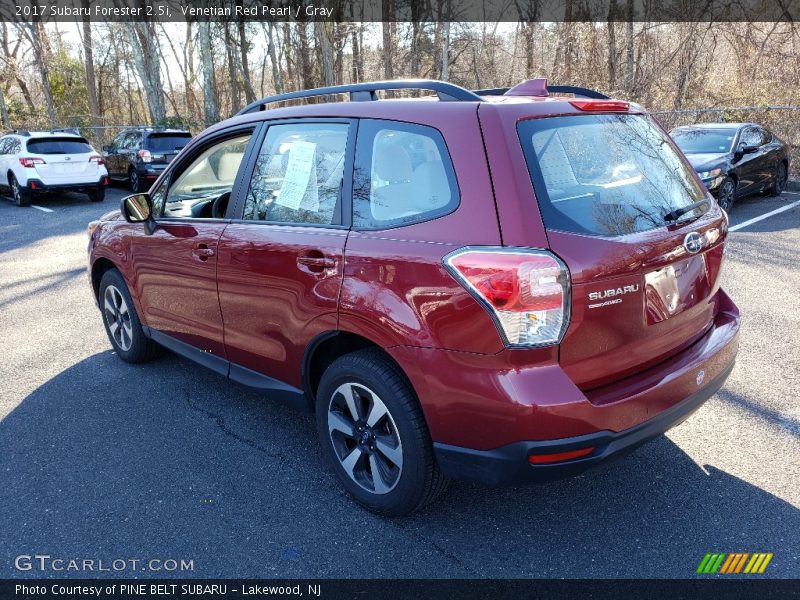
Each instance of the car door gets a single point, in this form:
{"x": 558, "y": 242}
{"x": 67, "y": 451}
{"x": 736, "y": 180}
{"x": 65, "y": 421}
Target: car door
{"x": 133, "y": 143}
{"x": 769, "y": 157}
{"x": 281, "y": 262}
{"x": 5, "y": 156}
{"x": 113, "y": 156}
{"x": 175, "y": 268}
{"x": 749, "y": 167}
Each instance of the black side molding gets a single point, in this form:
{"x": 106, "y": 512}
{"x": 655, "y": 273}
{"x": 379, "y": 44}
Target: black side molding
{"x": 276, "y": 389}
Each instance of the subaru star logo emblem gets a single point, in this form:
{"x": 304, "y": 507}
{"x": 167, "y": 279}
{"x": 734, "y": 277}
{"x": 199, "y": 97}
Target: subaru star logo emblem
{"x": 700, "y": 377}
{"x": 693, "y": 242}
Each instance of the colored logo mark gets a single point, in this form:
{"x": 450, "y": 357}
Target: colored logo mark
{"x": 734, "y": 562}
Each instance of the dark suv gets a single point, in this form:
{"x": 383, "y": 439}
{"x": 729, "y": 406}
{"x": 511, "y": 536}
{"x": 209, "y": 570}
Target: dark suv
{"x": 501, "y": 286}
{"x": 139, "y": 155}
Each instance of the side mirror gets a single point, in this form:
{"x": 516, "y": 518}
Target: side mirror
{"x": 138, "y": 208}
{"x": 107, "y": 148}
{"x": 748, "y": 149}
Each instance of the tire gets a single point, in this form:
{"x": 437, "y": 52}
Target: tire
{"x": 779, "y": 179}
{"x": 397, "y": 445}
{"x": 135, "y": 182}
{"x": 116, "y": 306}
{"x": 726, "y": 196}
{"x": 97, "y": 195}
{"x": 21, "y": 195}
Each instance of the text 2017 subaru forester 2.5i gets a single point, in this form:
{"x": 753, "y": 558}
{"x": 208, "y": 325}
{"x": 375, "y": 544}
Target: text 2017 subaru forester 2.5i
{"x": 501, "y": 286}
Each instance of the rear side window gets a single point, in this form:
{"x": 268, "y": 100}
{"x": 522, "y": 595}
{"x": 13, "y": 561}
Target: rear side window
{"x": 403, "y": 175}
{"x": 55, "y": 145}
{"x": 606, "y": 175}
{"x": 298, "y": 175}
{"x": 167, "y": 142}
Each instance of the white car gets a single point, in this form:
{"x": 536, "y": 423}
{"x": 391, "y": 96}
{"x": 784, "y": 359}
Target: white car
{"x": 37, "y": 162}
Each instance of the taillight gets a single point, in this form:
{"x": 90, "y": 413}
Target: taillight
{"x": 98, "y": 159}
{"x": 29, "y": 163}
{"x": 526, "y": 291}
{"x": 145, "y": 155}
{"x": 601, "y": 105}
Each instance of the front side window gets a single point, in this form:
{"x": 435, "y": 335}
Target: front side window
{"x": 298, "y": 174}
{"x": 751, "y": 136}
{"x": 606, "y": 175}
{"x": 403, "y": 175}
{"x": 209, "y": 177}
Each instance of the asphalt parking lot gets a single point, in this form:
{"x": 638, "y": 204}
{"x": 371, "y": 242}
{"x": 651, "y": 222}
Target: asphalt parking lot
{"x": 104, "y": 460}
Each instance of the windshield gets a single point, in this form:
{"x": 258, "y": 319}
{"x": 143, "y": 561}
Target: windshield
{"x": 704, "y": 141}
{"x": 54, "y": 145}
{"x": 167, "y": 142}
{"x": 606, "y": 175}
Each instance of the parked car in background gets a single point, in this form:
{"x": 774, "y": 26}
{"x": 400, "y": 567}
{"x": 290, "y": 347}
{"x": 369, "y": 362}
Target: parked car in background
{"x": 138, "y": 155}
{"x": 735, "y": 159}
{"x": 34, "y": 163}
{"x": 501, "y": 286}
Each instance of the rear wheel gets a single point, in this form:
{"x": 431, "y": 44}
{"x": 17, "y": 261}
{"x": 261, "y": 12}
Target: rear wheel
{"x": 779, "y": 179}
{"x": 374, "y": 434}
{"x": 727, "y": 194}
{"x": 122, "y": 323}
{"x": 97, "y": 194}
{"x": 21, "y": 195}
{"x": 135, "y": 182}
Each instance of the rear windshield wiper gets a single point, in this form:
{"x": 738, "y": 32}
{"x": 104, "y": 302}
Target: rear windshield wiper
{"x": 676, "y": 214}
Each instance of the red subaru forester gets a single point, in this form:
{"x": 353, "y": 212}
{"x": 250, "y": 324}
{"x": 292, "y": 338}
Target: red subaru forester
{"x": 500, "y": 286}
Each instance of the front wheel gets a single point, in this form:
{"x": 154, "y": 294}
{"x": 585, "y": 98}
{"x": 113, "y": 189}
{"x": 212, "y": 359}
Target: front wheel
{"x": 727, "y": 194}
{"x": 779, "y": 179}
{"x": 122, "y": 323}
{"x": 374, "y": 434}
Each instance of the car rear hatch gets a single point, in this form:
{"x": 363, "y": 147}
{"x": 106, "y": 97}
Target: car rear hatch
{"x": 63, "y": 160}
{"x": 163, "y": 147}
{"x": 644, "y": 281}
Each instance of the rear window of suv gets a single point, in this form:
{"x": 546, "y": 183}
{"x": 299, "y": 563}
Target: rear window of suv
{"x": 167, "y": 142}
{"x": 606, "y": 175}
{"x": 55, "y": 145}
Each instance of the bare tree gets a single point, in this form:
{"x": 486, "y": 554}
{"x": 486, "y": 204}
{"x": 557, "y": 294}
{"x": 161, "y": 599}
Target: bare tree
{"x": 88, "y": 65}
{"x": 210, "y": 102}
{"x": 387, "y": 7}
{"x": 321, "y": 29}
{"x": 143, "y": 40}
{"x": 41, "y": 51}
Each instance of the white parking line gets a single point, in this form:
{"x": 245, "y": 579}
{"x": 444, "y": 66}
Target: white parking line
{"x": 765, "y": 215}
{"x": 42, "y": 208}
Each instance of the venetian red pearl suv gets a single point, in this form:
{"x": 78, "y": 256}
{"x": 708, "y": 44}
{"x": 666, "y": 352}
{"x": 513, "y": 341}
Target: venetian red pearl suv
{"x": 499, "y": 286}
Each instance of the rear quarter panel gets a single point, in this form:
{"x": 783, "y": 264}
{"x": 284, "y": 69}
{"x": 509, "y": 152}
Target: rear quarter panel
{"x": 396, "y": 290}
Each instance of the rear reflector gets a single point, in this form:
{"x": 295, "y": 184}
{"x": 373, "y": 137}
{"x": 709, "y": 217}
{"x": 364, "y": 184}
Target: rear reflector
{"x": 601, "y": 105}
{"x": 526, "y": 291}
{"x": 538, "y": 459}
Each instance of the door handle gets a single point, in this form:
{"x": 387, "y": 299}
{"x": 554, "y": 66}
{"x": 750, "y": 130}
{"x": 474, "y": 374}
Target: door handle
{"x": 202, "y": 252}
{"x": 316, "y": 262}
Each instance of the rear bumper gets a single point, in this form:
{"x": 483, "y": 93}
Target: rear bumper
{"x": 150, "y": 170}
{"x": 488, "y": 414}
{"x": 509, "y": 464}
{"x": 37, "y": 185}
